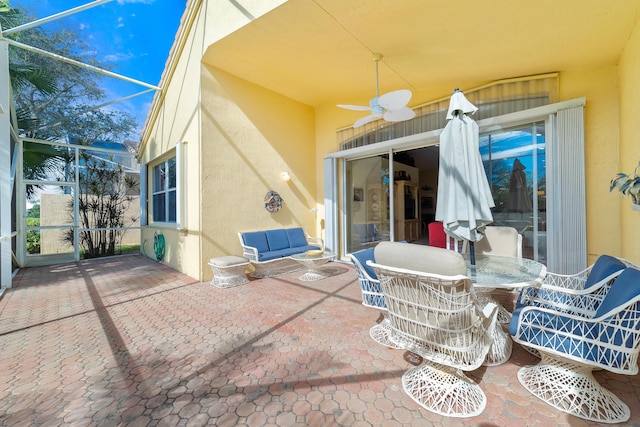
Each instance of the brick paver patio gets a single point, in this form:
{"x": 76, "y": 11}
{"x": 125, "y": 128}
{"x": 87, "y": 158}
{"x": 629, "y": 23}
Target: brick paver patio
{"x": 128, "y": 341}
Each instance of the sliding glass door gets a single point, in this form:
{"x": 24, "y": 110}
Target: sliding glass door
{"x": 535, "y": 164}
{"x": 367, "y": 202}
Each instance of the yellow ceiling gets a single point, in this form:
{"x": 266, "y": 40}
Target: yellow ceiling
{"x": 320, "y": 51}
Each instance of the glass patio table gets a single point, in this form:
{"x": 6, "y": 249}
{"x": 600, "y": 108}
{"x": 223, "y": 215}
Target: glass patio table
{"x": 504, "y": 272}
{"x": 312, "y": 262}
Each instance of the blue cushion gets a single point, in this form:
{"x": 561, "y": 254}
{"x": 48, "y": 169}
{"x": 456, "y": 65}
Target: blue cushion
{"x": 553, "y": 331}
{"x": 277, "y": 239}
{"x": 624, "y": 289}
{"x": 296, "y": 237}
{"x": 363, "y": 256}
{"x": 256, "y": 239}
{"x": 604, "y": 267}
{"x": 281, "y": 253}
{"x": 269, "y": 255}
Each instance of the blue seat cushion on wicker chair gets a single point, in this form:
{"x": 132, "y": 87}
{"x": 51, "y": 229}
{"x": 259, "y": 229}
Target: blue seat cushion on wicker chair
{"x": 547, "y": 332}
{"x": 277, "y": 239}
{"x": 583, "y": 339}
{"x": 296, "y": 237}
{"x": 604, "y": 267}
{"x": 363, "y": 256}
{"x": 625, "y": 288}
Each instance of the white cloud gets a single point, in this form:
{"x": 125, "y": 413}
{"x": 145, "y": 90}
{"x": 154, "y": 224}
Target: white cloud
{"x": 118, "y": 57}
{"x": 121, "y": 2}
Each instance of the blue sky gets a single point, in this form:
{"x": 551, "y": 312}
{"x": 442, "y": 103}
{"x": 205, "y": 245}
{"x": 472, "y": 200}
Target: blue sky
{"x": 133, "y": 36}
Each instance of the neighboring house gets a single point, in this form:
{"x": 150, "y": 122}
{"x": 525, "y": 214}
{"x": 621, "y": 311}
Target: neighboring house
{"x": 250, "y": 91}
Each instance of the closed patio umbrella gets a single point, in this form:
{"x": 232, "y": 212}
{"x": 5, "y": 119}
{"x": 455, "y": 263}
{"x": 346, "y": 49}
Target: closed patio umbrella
{"x": 464, "y": 196}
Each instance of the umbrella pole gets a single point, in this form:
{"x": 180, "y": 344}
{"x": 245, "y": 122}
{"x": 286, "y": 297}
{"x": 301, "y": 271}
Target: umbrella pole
{"x": 472, "y": 252}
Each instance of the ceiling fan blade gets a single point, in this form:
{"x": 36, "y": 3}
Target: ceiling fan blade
{"x": 400, "y": 115}
{"x": 395, "y": 100}
{"x": 364, "y": 120}
{"x": 354, "y": 107}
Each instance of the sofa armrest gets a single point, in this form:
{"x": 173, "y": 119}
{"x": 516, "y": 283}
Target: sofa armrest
{"x": 248, "y": 252}
{"x": 316, "y": 241}
{"x": 313, "y": 240}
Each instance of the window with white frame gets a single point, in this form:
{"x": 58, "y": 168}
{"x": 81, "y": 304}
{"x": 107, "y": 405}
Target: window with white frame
{"x": 164, "y": 195}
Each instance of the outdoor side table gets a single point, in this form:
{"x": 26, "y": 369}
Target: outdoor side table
{"x": 229, "y": 271}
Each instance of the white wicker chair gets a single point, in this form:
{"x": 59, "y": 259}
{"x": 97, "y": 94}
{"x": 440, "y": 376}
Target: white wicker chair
{"x": 437, "y": 317}
{"x": 499, "y": 240}
{"x": 505, "y": 241}
{"x": 372, "y": 295}
{"x": 573, "y": 344}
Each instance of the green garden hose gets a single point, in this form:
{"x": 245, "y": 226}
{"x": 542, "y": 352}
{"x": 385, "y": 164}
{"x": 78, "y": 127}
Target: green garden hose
{"x": 158, "y": 246}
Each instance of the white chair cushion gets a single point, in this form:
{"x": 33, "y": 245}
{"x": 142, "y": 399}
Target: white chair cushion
{"x": 425, "y": 259}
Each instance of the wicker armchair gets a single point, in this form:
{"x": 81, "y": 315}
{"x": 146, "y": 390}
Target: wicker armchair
{"x": 579, "y": 293}
{"x": 436, "y": 316}
{"x": 571, "y": 345}
{"x": 372, "y": 295}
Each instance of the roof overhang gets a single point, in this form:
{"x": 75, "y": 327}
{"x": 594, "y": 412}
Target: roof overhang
{"x": 320, "y": 51}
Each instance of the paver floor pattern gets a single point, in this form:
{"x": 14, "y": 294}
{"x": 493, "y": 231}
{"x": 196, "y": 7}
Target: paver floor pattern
{"x": 128, "y": 341}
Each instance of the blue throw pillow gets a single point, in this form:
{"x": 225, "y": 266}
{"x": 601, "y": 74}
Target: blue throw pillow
{"x": 624, "y": 289}
{"x": 604, "y": 267}
{"x": 363, "y": 256}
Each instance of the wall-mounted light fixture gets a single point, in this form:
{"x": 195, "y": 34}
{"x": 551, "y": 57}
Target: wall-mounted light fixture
{"x": 285, "y": 176}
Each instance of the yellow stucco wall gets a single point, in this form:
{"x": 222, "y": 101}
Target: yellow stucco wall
{"x": 629, "y": 154}
{"x": 179, "y": 119}
{"x": 600, "y": 87}
{"x": 250, "y": 136}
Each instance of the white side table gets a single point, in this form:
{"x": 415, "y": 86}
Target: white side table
{"x": 312, "y": 263}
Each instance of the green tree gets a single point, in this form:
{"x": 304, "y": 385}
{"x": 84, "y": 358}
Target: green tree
{"x": 23, "y": 75}
{"x": 104, "y": 197}
{"x": 54, "y": 98}
{"x": 33, "y": 236}
{"x": 34, "y": 212}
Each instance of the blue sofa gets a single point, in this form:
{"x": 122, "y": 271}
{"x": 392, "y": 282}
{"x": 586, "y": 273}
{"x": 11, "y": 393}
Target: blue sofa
{"x": 269, "y": 245}
{"x": 269, "y": 250}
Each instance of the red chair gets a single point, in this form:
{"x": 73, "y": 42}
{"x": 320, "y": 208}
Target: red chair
{"x": 437, "y": 236}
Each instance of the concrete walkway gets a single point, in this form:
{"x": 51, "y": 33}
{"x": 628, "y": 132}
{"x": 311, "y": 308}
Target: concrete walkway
{"x": 128, "y": 341}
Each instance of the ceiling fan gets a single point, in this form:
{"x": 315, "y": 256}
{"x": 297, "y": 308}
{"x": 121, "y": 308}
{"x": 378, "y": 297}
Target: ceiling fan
{"x": 391, "y": 106}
